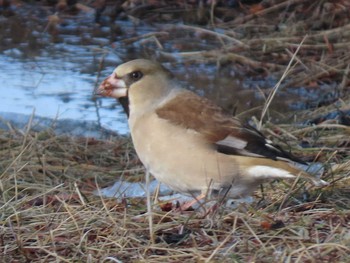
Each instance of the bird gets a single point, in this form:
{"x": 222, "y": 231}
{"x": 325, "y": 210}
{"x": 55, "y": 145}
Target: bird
{"x": 189, "y": 143}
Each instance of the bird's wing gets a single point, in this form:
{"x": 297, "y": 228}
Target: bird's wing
{"x": 229, "y": 135}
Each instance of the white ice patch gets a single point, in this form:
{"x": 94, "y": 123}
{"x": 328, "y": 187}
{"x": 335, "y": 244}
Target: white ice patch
{"x": 311, "y": 168}
{"x": 234, "y": 203}
{"x": 122, "y": 189}
{"x": 315, "y": 169}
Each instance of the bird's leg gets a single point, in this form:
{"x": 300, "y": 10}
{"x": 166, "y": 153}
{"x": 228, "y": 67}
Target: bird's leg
{"x": 185, "y": 206}
{"x": 197, "y": 199}
{"x": 262, "y": 199}
{"x": 207, "y": 210}
{"x": 149, "y": 207}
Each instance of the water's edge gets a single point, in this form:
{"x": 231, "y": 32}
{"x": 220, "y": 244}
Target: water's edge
{"x": 70, "y": 127}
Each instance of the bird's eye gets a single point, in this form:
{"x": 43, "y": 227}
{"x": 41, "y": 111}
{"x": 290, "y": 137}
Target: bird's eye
{"x": 136, "y": 75}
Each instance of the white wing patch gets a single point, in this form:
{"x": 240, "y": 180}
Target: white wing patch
{"x": 268, "y": 141}
{"x": 268, "y": 172}
{"x": 233, "y": 142}
{"x": 269, "y": 145}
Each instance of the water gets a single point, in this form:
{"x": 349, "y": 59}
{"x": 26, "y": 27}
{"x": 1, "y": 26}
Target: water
{"x": 56, "y": 78}
{"x": 56, "y": 87}
{"x": 53, "y": 70}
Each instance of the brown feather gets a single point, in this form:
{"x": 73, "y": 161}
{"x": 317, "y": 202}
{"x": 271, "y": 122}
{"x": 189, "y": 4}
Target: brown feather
{"x": 198, "y": 113}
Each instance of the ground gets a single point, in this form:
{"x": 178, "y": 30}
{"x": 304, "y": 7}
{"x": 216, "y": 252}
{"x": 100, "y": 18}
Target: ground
{"x": 48, "y": 211}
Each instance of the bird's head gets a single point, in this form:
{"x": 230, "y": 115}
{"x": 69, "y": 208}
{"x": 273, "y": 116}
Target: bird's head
{"x": 140, "y": 80}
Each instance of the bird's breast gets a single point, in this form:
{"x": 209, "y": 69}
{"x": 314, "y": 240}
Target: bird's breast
{"x": 179, "y": 157}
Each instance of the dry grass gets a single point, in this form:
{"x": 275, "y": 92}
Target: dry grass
{"x": 48, "y": 212}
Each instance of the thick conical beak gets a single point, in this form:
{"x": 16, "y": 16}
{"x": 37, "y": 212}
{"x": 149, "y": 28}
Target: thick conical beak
{"x": 112, "y": 87}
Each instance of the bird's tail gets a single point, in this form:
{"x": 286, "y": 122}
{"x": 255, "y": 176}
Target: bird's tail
{"x": 264, "y": 169}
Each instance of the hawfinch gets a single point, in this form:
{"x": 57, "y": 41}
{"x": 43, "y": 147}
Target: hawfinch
{"x": 189, "y": 143}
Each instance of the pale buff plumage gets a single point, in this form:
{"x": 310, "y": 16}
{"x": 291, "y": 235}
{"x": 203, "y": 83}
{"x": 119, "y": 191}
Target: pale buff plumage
{"x": 190, "y": 144}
